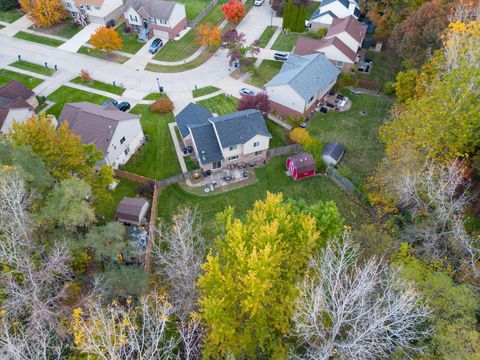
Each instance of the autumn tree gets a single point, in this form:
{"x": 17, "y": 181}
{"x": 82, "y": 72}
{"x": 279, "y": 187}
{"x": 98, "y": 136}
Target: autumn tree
{"x": 208, "y": 35}
{"x": 106, "y": 39}
{"x": 309, "y": 143}
{"x": 44, "y": 13}
{"x": 259, "y": 102}
{"x": 238, "y": 50}
{"x": 234, "y": 11}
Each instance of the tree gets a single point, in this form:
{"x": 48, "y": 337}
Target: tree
{"x": 8, "y": 4}
{"x": 248, "y": 288}
{"x": 355, "y": 311}
{"x": 235, "y": 42}
{"x": 106, "y": 39}
{"x": 44, "y": 13}
{"x": 259, "y": 102}
{"x": 85, "y": 76}
{"x": 405, "y": 85}
{"x": 162, "y": 106}
{"x": 234, "y": 11}
{"x": 208, "y": 35}
{"x": 311, "y": 144}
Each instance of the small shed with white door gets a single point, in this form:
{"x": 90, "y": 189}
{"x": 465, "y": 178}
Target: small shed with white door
{"x": 333, "y": 153}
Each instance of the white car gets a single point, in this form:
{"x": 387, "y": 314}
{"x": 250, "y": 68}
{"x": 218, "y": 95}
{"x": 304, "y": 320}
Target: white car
{"x": 248, "y": 92}
{"x": 258, "y": 2}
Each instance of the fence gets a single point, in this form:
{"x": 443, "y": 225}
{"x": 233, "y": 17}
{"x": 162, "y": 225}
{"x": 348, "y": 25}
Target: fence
{"x": 288, "y": 149}
{"x": 175, "y": 179}
{"x": 151, "y": 231}
{"x": 133, "y": 177}
{"x": 194, "y": 22}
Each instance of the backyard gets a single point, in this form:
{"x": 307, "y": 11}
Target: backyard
{"x": 193, "y": 8}
{"x": 264, "y": 73}
{"x": 386, "y": 65}
{"x": 6, "y": 76}
{"x": 67, "y": 94}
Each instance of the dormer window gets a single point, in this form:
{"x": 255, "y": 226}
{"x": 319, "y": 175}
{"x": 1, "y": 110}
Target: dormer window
{"x": 233, "y": 147}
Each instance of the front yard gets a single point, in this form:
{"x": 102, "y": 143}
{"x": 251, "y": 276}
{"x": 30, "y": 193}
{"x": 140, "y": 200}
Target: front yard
{"x": 264, "y": 73}
{"x": 67, "y": 94}
{"x": 221, "y": 104}
{"x": 102, "y": 55}
{"x": 285, "y": 42}
{"x": 29, "y": 81}
{"x": 10, "y": 16}
{"x": 66, "y": 29}
{"x": 130, "y": 44}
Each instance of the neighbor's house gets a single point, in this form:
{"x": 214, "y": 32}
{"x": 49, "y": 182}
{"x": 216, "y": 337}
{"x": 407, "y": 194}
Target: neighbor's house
{"x": 330, "y": 10}
{"x": 220, "y": 141}
{"x": 17, "y": 103}
{"x": 96, "y": 11}
{"x": 162, "y": 18}
{"x": 301, "y": 83}
{"x": 115, "y": 133}
{"x": 340, "y": 45}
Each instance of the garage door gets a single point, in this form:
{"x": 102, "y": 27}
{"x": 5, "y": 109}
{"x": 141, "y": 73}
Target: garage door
{"x": 97, "y": 20}
{"x": 160, "y": 34}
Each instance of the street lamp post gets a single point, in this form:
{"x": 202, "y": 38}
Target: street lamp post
{"x": 159, "y": 87}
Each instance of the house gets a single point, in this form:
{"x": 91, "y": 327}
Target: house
{"x": 333, "y": 153}
{"x": 160, "y": 18}
{"x": 115, "y": 133}
{"x": 225, "y": 140}
{"x": 301, "y": 165}
{"x": 94, "y": 11}
{"x": 301, "y": 83}
{"x": 132, "y": 211}
{"x": 17, "y": 103}
{"x": 330, "y": 10}
{"x": 340, "y": 45}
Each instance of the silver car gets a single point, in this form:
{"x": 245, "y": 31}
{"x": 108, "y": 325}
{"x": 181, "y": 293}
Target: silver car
{"x": 247, "y": 91}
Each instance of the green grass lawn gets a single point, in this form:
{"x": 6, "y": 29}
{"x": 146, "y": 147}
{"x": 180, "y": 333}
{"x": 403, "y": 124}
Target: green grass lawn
{"x": 199, "y": 60}
{"x": 194, "y": 7}
{"x": 36, "y": 68}
{"x": 102, "y": 55}
{"x": 29, "y": 81}
{"x": 38, "y": 39}
{"x": 100, "y": 86}
{"x": 279, "y": 134}
{"x": 156, "y": 96}
{"x": 359, "y": 134}
{"x": 157, "y": 158}
{"x": 386, "y": 65}
{"x": 266, "y": 36}
{"x": 285, "y": 42}
{"x": 66, "y": 29}
{"x": 264, "y": 73}
{"x": 220, "y": 104}
{"x": 106, "y": 209}
{"x": 10, "y": 16}
{"x": 270, "y": 178}
{"x": 67, "y": 94}
{"x": 130, "y": 43}
{"x": 204, "y": 91}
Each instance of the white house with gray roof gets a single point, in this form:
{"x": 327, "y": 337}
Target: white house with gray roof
{"x": 301, "y": 83}
{"x": 115, "y": 133}
{"x": 333, "y": 9}
{"x": 220, "y": 141}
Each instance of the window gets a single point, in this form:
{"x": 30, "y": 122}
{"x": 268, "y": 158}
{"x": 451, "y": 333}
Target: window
{"x": 256, "y": 144}
{"x": 88, "y": 7}
{"x": 97, "y": 8}
{"x": 233, "y": 147}
{"x": 231, "y": 158}
{"x": 152, "y": 20}
{"x": 68, "y": 5}
{"x": 122, "y": 140}
{"x": 127, "y": 150}
{"x": 258, "y": 153}
{"x": 217, "y": 165}
{"x": 133, "y": 18}
{"x": 311, "y": 99}
{"x": 162, "y": 21}
{"x": 339, "y": 64}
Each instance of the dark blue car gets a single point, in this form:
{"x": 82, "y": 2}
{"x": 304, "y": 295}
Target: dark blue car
{"x": 155, "y": 46}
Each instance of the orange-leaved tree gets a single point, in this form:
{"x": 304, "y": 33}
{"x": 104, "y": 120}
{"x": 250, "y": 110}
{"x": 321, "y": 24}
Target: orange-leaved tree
{"x": 44, "y": 13}
{"x": 106, "y": 39}
{"x": 234, "y": 11}
{"x": 208, "y": 35}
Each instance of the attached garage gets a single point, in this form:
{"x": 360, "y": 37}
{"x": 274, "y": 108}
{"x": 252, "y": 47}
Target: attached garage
{"x": 301, "y": 166}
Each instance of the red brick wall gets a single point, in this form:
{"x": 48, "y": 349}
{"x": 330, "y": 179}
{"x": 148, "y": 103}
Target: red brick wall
{"x": 284, "y": 110}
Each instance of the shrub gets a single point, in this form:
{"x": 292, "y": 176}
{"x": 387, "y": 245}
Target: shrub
{"x": 321, "y": 32}
{"x": 294, "y": 120}
{"x": 85, "y": 76}
{"x": 162, "y": 106}
{"x": 389, "y": 88}
{"x": 146, "y": 190}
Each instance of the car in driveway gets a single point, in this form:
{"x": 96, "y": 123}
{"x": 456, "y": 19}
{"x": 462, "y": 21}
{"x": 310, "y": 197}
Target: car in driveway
{"x": 155, "y": 45}
{"x": 258, "y": 2}
{"x": 247, "y": 91}
{"x": 108, "y": 102}
{"x": 123, "y": 106}
{"x": 281, "y": 55}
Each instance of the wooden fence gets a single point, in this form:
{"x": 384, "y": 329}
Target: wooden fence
{"x": 133, "y": 177}
{"x": 288, "y": 149}
{"x": 151, "y": 229}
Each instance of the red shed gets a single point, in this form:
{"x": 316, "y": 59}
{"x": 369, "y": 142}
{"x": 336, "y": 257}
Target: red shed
{"x": 301, "y": 165}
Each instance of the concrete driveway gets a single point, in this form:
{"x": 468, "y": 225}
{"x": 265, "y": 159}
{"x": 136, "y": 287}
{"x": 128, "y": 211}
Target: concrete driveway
{"x": 80, "y": 38}
{"x": 257, "y": 19}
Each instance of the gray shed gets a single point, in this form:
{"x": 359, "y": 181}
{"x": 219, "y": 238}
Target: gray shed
{"x": 132, "y": 210}
{"x": 333, "y": 153}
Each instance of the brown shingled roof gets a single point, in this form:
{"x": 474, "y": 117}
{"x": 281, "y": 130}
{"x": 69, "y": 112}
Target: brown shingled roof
{"x": 15, "y": 89}
{"x": 349, "y": 24}
{"x": 130, "y": 209}
{"x": 306, "y": 46}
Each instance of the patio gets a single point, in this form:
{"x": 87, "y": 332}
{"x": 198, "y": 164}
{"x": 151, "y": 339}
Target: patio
{"x": 221, "y": 179}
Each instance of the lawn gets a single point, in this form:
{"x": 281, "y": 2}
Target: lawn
{"x": 386, "y": 65}
{"x": 106, "y": 209}
{"x": 266, "y": 36}
{"x": 10, "y": 16}
{"x": 29, "y": 81}
{"x": 118, "y": 90}
{"x": 38, "y": 39}
{"x": 221, "y": 104}
{"x": 285, "y": 42}
{"x": 264, "y": 73}
{"x": 67, "y": 94}
{"x": 66, "y": 29}
{"x": 204, "y": 91}
{"x": 279, "y": 134}
{"x": 194, "y": 7}
{"x": 156, "y": 96}
{"x": 157, "y": 158}
{"x": 359, "y": 134}
{"x": 199, "y": 60}
{"x": 130, "y": 43}
{"x": 102, "y": 55}
{"x": 270, "y": 178}
{"x": 36, "y": 68}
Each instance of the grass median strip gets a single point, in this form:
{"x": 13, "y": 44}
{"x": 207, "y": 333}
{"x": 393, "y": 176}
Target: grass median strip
{"x": 36, "y": 68}
{"x": 102, "y": 55}
{"x": 204, "y": 91}
{"x": 39, "y": 39}
{"x": 29, "y": 81}
{"x": 204, "y": 56}
{"x": 156, "y": 96}
{"x": 100, "y": 86}
{"x": 266, "y": 36}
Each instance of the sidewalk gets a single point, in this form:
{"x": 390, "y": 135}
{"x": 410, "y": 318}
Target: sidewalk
{"x": 21, "y": 24}
{"x": 178, "y": 150}
{"x": 80, "y": 38}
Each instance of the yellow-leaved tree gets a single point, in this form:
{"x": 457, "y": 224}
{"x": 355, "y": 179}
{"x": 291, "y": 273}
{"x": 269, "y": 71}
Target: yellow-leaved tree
{"x": 44, "y": 13}
{"x": 208, "y": 35}
{"x": 106, "y": 39}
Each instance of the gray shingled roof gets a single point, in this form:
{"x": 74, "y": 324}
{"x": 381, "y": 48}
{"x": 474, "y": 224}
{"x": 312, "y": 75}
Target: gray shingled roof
{"x": 205, "y": 140}
{"x": 316, "y": 14}
{"x": 306, "y": 74}
{"x": 159, "y": 9}
{"x": 239, "y": 127}
{"x": 192, "y": 115}
{"x": 345, "y": 3}
{"x": 334, "y": 150}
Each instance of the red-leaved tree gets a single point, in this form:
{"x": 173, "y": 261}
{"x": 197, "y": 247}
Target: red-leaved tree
{"x": 234, "y": 11}
{"x": 259, "y": 102}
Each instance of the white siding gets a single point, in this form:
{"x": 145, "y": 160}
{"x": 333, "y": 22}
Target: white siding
{"x": 15, "y": 115}
{"x": 332, "y": 53}
{"x": 338, "y": 9}
{"x": 348, "y": 40}
{"x": 177, "y": 15}
{"x": 133, "y": 133}
{"x": 107, "y": 8}
{"x": 248, "y": 147}
{"x": 130, "y": 14}
{"x": 286, "y": 96}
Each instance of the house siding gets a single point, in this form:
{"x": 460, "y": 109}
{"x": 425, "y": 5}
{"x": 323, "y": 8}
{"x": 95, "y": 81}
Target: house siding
{"x": 134, "y": 138}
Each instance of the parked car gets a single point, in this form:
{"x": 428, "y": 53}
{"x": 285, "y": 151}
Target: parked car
{"x": 123, "y": 106}
{"x": 247, "y": 91}
{"x": 258, "y": 2}
{"x": 155, "y": 45}
{"x": 110, "y": 23}
{"x": 281, "y": 55}
{"x": 303, "y": 125}
{"x": 113, "y": 101}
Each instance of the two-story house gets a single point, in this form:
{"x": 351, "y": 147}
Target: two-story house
{"x": 220, "y": 141}
{"x": 95, "y": 11}
{"x": 160, "y": 18}
{"x": 17, "y": 103}
{"x": 116, "y": 134}
{"x": 333, "y": 9}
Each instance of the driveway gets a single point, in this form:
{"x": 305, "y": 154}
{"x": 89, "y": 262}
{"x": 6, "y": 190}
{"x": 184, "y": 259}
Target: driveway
{"x": 80, "y": 38}
{"x": 257, "y": 19}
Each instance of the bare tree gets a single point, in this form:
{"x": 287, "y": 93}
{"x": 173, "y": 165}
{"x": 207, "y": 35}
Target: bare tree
{"x": 180, "y": 254}
{"x": 349, "y": 310}
{"x": 191, "y": 333}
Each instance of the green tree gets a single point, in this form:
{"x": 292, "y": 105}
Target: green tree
{"x": 248, "y": 288}
{"x": 8, "y": 4}
{"x": 287, "y": 15}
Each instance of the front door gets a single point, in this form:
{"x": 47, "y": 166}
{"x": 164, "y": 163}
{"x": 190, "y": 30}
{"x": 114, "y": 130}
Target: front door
{"x": 216, "y": 165}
